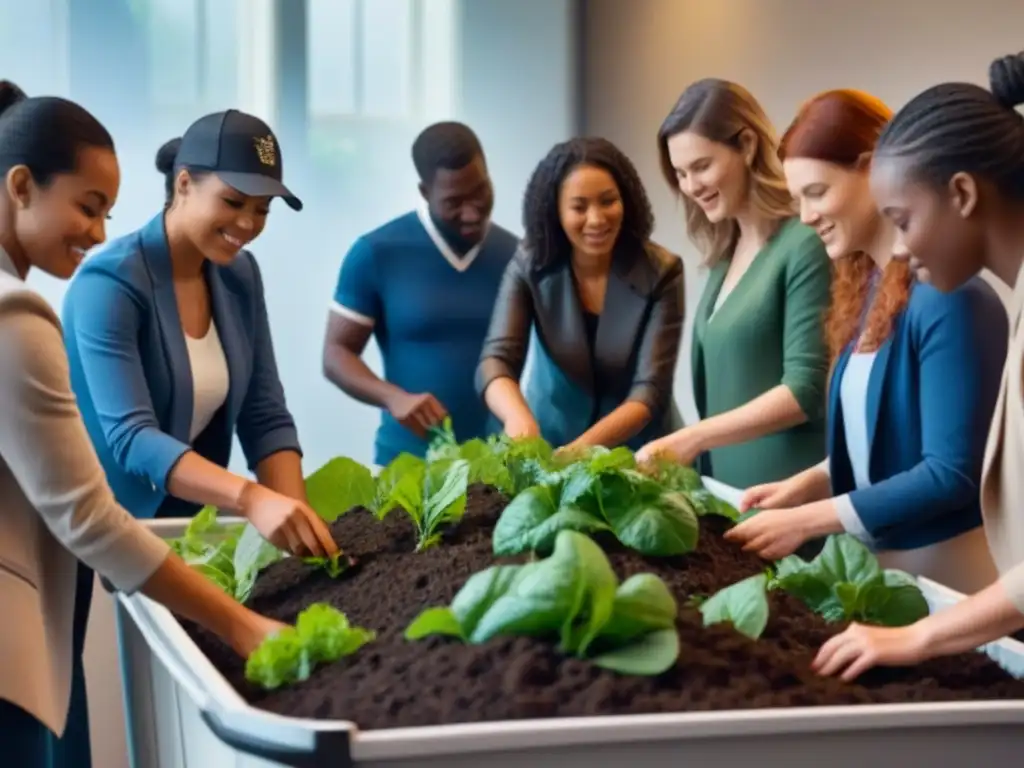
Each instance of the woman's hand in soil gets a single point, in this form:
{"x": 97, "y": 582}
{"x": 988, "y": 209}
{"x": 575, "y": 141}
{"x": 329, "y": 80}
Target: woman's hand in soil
{"x": 862, "y": 647}
{"x": 682, "y": 446}
{"x": 286, "y": 523}
{"x": 777, "y": 533}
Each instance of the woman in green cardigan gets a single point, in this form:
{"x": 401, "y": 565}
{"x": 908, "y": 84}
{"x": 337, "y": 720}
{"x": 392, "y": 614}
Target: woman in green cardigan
{"x": 758, "y": 353}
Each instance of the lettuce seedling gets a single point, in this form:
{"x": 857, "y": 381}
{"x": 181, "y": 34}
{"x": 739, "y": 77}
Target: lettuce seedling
{"x": 321, "y": 635}
{"x": 574, "y": 596}
{"x": 433, "y": 495}
{"x": 843, "y": 583}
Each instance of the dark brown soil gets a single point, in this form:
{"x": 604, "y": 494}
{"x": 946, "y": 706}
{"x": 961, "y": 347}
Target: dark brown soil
{"x": 393, "y": 682}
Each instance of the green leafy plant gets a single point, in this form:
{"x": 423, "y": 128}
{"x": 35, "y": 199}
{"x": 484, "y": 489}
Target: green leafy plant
{"x": 598, "y": 495}
{"x": 574, "y": 596}
{"x": 433, "y": 495}
{"x": 843, "y": 583}
{"x": 321, "y": 635}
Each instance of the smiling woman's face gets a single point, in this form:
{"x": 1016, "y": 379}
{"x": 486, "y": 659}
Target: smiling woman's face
{"x": 57, "y": 223}
{"x": 591, "y": 211}
{"x": 219, "y": 219}
{"x": 835, "y": 201}
{"x": 946, "y": 245}
{"x": 714, "y": 175}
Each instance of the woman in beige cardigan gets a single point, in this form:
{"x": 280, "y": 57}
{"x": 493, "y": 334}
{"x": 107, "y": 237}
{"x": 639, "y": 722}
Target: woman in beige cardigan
{"x": 60, "y": 180}
{"x": 949, "y": 173}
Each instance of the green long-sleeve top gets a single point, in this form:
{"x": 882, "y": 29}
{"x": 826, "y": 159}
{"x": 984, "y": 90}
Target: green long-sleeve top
{"x": 767, "y": 331}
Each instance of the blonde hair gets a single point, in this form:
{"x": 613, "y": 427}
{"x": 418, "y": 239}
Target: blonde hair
{"x": 721, "y": 111}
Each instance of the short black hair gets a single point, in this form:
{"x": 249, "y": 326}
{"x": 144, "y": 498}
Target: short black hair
{"x": 544, "y": 236}
{"x": 45, "y": 133}
{"x": 961, "y": 127}
{"x": 449, "y": 145}
{"x": 167, "y": 164}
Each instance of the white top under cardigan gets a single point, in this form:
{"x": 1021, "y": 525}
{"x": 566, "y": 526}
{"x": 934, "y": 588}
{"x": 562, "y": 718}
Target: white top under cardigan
{"x": 210, "y": 378}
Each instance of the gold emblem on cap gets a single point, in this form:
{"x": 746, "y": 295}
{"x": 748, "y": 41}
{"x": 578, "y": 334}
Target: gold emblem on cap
{"x": 265, "y": 149}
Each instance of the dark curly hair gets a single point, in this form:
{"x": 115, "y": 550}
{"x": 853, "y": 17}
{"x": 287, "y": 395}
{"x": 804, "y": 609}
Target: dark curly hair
{"x": 544, "y": 237}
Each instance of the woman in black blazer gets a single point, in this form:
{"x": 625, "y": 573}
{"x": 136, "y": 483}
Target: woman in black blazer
{"x": 603, "y": 302}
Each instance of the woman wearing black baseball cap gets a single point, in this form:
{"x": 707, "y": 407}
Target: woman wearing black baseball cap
{"x": 170, "y": 347}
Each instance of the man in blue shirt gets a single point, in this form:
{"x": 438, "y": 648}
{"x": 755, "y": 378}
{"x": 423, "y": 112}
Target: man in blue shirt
{"x": 424, "y": 284}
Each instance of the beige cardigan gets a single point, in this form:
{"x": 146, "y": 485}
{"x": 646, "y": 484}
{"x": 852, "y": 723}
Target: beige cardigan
{"x": 55, "y": 506}
{"x": 1002, "y": 482}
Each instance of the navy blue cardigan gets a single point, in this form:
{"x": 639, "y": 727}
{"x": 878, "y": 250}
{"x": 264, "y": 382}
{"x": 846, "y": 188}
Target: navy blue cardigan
{"x": 931, "y": 395}
{"x": 131, "y": 374}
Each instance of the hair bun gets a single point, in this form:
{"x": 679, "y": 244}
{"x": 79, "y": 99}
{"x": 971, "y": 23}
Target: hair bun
{"x": 1006, "y": 79}
{"x": 10, "y": 94}
{"x": 166, "y": 155}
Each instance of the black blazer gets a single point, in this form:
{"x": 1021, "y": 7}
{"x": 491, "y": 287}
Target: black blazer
{"x": 571, "y": 385}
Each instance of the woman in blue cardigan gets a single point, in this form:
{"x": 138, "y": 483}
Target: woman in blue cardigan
{"x": 170, "y": 347}
{"x": 914, "y": 382}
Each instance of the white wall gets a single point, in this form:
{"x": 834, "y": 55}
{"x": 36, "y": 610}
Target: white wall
{"x": 641, "y": 54}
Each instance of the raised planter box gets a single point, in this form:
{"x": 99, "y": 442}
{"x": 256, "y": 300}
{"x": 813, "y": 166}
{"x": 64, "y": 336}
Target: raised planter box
{"x": 183, "y": 714}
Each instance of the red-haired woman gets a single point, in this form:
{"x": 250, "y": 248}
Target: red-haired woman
{"x": 915, "y": 376}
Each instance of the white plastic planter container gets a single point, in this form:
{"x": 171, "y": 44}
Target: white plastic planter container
{"x": 183, "y": 714}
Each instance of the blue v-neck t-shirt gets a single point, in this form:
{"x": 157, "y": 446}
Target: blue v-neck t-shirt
{"x": 429, "y": 309}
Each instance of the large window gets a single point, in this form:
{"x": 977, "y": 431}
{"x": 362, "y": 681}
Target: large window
{"x": 377, "y": 71}
{"x": 192, "y": 54}
{"x": 34, "y": 45}
{"x": 392, "y": 59}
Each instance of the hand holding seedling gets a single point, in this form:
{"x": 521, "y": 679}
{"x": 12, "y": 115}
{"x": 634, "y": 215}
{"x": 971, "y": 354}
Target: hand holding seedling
{"x": 417, "y": 412}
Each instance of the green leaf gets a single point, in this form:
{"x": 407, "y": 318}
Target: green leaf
{"x": 706, "y": 503}
{"x": 220, "y": 578}
{"x": 252, "y": 554}
{"x": 338, "y": 486}
{"x": 643, "y": 603}
{"x": 647, "y": 518}
{"x": 479, "y": 594}
{"x": 444, "y": 497}
{"x": 533, "y": 519}
{"x": 743, "y": 604}
{"x": 434, "y": 621}
{"x": 278, "y": 660}
{"x": 652, "y": 654}
{"x": 674, "y": 476}
{"x": 844, "y": 558}
{"x": 904, "y": 603}
{"x": 335, "y": 565}
{"x": 485, "y": 466}
{"x": 400, "y": 483}
{"x": 574, "y": 588}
